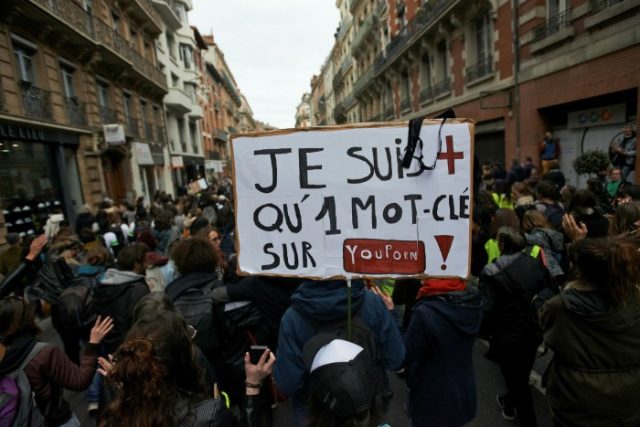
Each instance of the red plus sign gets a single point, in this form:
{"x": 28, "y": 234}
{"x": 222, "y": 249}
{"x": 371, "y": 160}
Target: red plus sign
{"x": 451, "y": 156}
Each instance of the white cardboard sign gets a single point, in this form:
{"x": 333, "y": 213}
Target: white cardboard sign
{"x": 333, "y": 202}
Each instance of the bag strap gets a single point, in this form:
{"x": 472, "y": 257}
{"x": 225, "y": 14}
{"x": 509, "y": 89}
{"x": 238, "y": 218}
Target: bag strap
{"x": 34, "y": 351}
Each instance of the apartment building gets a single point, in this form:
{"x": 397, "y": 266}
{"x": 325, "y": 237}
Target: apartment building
{"x": 80, "y": 105}
{"x": 178, "y": 51}
{"x": 571, "y": 67}
{"x": 303, "y": 112}
{"x": 225, "y": 110}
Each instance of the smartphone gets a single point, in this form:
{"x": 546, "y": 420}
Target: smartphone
{"x": 255, "y": 353}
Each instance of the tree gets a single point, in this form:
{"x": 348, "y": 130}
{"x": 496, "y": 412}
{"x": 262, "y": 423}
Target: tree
{"x": 591, "y": 162}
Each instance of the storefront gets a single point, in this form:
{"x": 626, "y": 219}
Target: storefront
{"x": 38, "y": 176}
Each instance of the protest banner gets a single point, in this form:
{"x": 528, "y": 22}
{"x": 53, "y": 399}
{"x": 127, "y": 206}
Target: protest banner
{"x": 335, "y": 202}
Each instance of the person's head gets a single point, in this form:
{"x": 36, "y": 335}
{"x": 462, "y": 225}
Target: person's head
{"x": 97, "y": 256}
{"x": 533, "y": 218}
{"x": 163, "y": 219}
{"x": 200, "y": 224}
{"x": 503, "y": 218}
{"x": 215, "y": 237}
{"x": 583, "y": 202}
{"x": 548, "y": 135}
{"x": 194, "y": 256}
{"x": 528, "y": 160}
{"x": 66, "y": 246}
{"x": 520, "y": 189}
{"x": 500, "y": 186}
{"x": 341, "y": 383}
{"x": 16, "y": 320}
{"x": 13, "y": 239}
{"x": 609, "y": 263}
{"x": 625, "y": 218}
{"x": 595, "y": 186}
{"x": 627, "y": 130}
{"x": 615, "y": 174}
{"x": 546, "y": 190}
{"x": 567, "y": 192}
{"x": 515, "y": 163}
{"x": 535, "y": 174}
{"x": 510, "y": 240}
{"x": 154, "y": 368}
{"x": 152, "y": 304}
{"x": 86, "y": 235}
{"x": 131, "y": 258}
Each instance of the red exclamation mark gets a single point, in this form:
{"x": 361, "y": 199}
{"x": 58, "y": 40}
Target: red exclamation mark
{"x": 444, "y": 243}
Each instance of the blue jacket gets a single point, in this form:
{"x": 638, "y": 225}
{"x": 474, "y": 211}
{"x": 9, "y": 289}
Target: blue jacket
{"x": 327, "y": 301}
{"x": 439, "y": 365}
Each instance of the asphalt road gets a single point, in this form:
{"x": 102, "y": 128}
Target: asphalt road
{"x": 488, "y": 378}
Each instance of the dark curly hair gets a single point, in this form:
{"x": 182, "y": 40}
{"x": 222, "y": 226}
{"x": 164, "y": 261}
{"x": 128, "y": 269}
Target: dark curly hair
{"x": 155, "y": 373}
{"x": 194, "y": 256}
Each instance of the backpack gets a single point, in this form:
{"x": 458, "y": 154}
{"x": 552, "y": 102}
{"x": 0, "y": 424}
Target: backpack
{"x": 17, "y": 402}
{"x": 361, "y": 335}
{"x": 76, "y": 305}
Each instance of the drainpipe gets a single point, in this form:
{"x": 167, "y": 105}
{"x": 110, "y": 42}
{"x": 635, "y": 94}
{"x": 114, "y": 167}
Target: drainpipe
{"x": 516, "y": 76}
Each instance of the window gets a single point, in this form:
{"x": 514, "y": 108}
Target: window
{"x": 190, "y": 90}
{"x": 24, "y": 63}
{"x": 67, "y": 81}
{"x": 186, "y": 56}
{"x": 143, "y": 111}
{"x": 183, "y": 144}
{"x": 194, "y": 137}
{"x": 483, "y": 38}
{"x": 175, "y": 80}
{"x": 181, "y": 12}
{"x": 128, "y": 109}
{"x": 443, "y": 61}
{"x": 425, "y": 71}
{"x": 555, "y": 7}
{"x": 115, "y": 22}
{"x": 133, "y": 37}
{"x": 103, "y": 94}
{"x": 171, "y": 45}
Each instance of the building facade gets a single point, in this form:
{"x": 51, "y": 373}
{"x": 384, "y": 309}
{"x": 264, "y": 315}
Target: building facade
{"x": 303, "y": 112}
{"x": 80, "y": 97}
{"x": 178, "y": 51}
{"x": 571, "y": 67}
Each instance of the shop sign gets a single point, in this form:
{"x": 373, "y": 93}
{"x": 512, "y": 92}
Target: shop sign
{"x": 24, "y": 133}
{"x": 143, "y": 154}
{"x": 214, "y": 165}
{"x": 114, "y": 134}
{"x": 601, "y": 116}
{"x": 177, "y": 162}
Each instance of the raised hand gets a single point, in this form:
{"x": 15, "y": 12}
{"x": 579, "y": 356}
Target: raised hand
{"x": 257, "y": 373}
{"x": 386, "y": 299}
{"x": 105, "y": 366}
{"x": 36, "y": 247}
{"x": 100, "y": 329}
{"x": 572, "y": 229}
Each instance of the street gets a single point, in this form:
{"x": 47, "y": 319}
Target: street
{"x": 488, "y": 378}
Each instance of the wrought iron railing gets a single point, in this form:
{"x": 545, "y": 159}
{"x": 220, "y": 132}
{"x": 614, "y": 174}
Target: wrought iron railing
{"x": 376, "y": 118}
{"x": 161, "y": 137}
{"x": 552, "y": 25}
{"x": 342, "y": 71}
{"x": 389, "y": 113}
{"x": 363, "y": 31}
{"x": 76, "y": 111}
{"x": 405, "y": 104}
{"x": 480, "y": 69}
{"x": 148, "y": 130}
{"x": 442, "y": 87}
{"x": 108, "y": 116}
{"x": 72, "y": 13}
{"x": 363, "y": 81}
{"x": 598, "y": 5}
{"x": 426, "y": 95}
{"x": 132, "y": 126}
{"x": 36, "y": 102}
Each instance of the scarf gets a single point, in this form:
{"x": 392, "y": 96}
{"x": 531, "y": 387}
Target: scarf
{"x": 440, "y": 286}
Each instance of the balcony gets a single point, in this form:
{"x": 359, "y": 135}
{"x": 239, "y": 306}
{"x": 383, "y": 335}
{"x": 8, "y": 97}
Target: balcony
{"x": 442, "y": 88}
{"x": 76, "y": 111}
{"x": 196, "y": 111}
{"x": 363, "y": 32}
{"x": 339, "y": 113}
{"x": 232, "y": 130}
{"x": 178, "y": 101}
{"x": 147, "y": 130}
{"x": 376, "y": 118}
{"x": 132, "y": 126}
{"x": 426, "y": 95}
{"x": 479, "y": 70}
{"x": 405, "y": 105}
{"x": 144, "y": 10}
{"x": 71, "y": 13}
{"x": 388, "y": 113}
{"x": 342, "y": 31}
{"x": 161, "y": 137}
{"x": 108, "y": 116}
{"x": 36, "y": 102}
{"x": 221, "y": 135}
{"x": 166, "y": 8}
{"x": 598, "y": 5}
{"x": 552, "y": 25}
{"x": 602, "y": 11}
{"x": 342, "y": 71}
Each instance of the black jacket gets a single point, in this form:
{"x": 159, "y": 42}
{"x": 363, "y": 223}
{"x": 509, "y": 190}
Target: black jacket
{"x": 116, "y": 296}
{"x": 508, "y": 286}
{"x": 594, "y": 377}
{"x": 439, "y": 365}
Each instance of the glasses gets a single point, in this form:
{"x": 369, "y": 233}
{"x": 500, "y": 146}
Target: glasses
{"x": 191, "y": 331}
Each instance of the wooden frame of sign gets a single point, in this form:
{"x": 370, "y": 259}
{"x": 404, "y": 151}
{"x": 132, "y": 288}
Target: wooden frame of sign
{"x": 272, "y": 207}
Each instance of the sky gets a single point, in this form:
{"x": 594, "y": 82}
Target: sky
{"x": 272, "y": 47}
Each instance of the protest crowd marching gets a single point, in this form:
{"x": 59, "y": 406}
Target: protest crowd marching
{"x": 159, "y": 328}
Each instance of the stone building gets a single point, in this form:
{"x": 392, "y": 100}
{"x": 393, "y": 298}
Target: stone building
{"x": 303, "y": 112}
{"x": 571, "y": 67}
{"x": 80, "y": 96}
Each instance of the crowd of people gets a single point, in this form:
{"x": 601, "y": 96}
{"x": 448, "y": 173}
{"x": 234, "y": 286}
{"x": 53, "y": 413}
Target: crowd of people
{"x": 160, "y": 330}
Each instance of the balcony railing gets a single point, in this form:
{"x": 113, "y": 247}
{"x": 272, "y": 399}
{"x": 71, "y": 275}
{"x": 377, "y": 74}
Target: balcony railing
{"x": 442, "y": 87}
{"x": 76, "y": 111}
{"x": 405, "y": 104}
{"x": 342, "y": 71}
{"x": 148, "y": 130}
{"x": 363, "y": 31}
{"x": 362, "y": 81}
{"x": 222, "y": 135}
{"x": 389, "y": 113}
{"x": 72, "y": 13}
{"x": 161, "y": 137}
{"x": 426, "y": 95}
{"x": 108, "y": 116}
{"x": 376, "y": 118}
{"x": 132, "y": 126}
{"x": 480, "y": 69}
{"x": 597, "y": 5}
{"x": 36, "y": 102}
{"x": 232, "y": 129}
{"x": 552, "y": 25}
